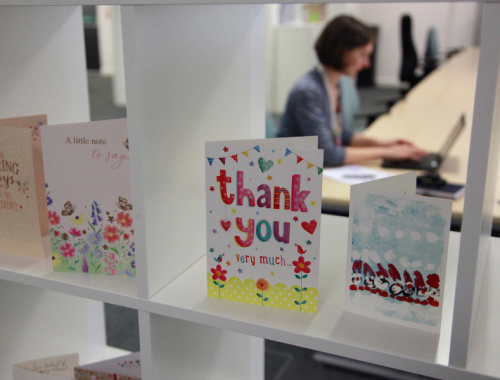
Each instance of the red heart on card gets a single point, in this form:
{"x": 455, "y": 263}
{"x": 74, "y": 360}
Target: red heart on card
{"x": 310, "y": 227}
{"x": 225, "y": 224}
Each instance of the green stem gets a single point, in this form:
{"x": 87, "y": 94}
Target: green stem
{"x": 262, "y": 298}
{"x": 219, "y": 291}
{"x": 74, "y": 253}
{"x": 300, "y": 291}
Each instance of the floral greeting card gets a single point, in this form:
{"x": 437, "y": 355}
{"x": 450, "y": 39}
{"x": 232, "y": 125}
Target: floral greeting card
{"x": 126, "y": 367}
{"x": 53, "y": 368}
{"x": 88, "y": 191}
{"x": 263, "y": 223}
{"x": 397, "y": 249}
{"x": 20, "y": 228}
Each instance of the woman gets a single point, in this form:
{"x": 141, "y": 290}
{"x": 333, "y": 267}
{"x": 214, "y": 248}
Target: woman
{"x": 313, "y": 108}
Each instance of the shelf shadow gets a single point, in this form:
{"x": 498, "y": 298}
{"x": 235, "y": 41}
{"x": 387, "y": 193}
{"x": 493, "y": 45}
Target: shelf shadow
{"x": 369, "y": 333}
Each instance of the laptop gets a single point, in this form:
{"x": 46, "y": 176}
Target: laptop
{"x": 432, "y": 161}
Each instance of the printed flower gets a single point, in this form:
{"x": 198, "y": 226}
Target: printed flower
{"x": 49, "y": 201}
{"x": 64, "y": 236}
{"x": 54, "y": 218}
{"x": 126, "y": 236}
{"x": 132, "y": 246}
{"x": 124, "y": 220}
{"x": 125, "y": 273}
{"x": 262, "y": 284}
{"x": 95, "y": 238}
{"x": 56, "y": 233}
{"x": 67, "y": 250}
{"x": 132, "y": 264}
{"x": 112, "y": 256}
{"x": 83, "y": 249}
{"x": 85, "y": 265}
{"x": 113, "y": 272}
{"x": 301, "y": 265}
{"x": 106, "y": 269}
{"x": 111, "y": 233}
{"x": 56, "y": 259}
{"x": 218, "y": 273}
{"x": 78, "y": 220}
{"x": 98, "y": 253}
{"x": 74, "y": 232}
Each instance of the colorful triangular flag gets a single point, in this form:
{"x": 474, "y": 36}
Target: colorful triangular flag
{"x": 257, "y": 148}
{"x": 309, "y": 165}
{"x": 320, "y": 170}
{"x": 299, "y": 159}
{"x": 287, "y": 152}
{"x": 235, "y": 157}
{"x": 223, "y": 160}
{"x": 245, "y": 153}
{"x": 210, "y": 160}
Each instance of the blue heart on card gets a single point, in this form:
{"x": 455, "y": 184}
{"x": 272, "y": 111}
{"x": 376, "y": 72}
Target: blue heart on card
{"x": 265, "y": 165}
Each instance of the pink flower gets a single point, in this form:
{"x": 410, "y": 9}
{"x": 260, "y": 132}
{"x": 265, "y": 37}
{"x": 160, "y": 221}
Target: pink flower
{"x": 56, "y": 233}
{"x": 116, "y": 261}
{"x": 106, "y": 269}
{"x": 112, "y": 256}
{"x": 113, "y": 272}
{"x": 74, "y": 232}
{"x": 110, "y": 264}
{"x": 124, "y": 220}
{"x": 67, "y": 250}
{"x": 105, "y": 260}
{"x": 54, "y": 218}
{"x": 126, "y": 236}
{"x": 111, "y": 233}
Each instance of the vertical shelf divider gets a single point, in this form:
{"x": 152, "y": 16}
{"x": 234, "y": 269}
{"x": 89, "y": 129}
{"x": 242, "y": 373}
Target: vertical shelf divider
{"x": 480, "y": 192}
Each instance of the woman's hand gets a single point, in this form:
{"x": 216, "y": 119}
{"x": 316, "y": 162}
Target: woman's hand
{"x": 398, "y": 142}
{"x": 404, "y": 151}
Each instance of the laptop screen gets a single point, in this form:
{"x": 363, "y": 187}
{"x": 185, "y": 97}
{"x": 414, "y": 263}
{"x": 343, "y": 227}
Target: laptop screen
{"x": 452, "y": 137}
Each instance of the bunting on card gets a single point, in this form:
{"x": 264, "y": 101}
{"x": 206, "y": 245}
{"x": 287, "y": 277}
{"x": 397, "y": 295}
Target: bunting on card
{"x": 223, "y": 160}
{"x": 309, "y": 165}
{"x": 299, "y": 159}
{"x": 245, "y": 153}
{"x": 210, "y": 160}
{"x": 235, "y": 157}
{"x": 287, "y": 152}
{"x": 320, "y": 170}
{"x": 257, "y": 148}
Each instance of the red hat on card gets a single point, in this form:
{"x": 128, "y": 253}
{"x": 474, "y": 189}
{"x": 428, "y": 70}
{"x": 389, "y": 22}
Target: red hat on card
{"x": 381, "y": 271}
{"x": 367, "y": 268}
{"x": 407, "y": 277}
{"x": 419, "y": 280}
{"x": 433, "y": 281}
{"x": 394, "y": 273}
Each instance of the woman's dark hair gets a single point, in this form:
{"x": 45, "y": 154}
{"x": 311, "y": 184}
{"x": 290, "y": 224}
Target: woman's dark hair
{"x": 341, "y": 34}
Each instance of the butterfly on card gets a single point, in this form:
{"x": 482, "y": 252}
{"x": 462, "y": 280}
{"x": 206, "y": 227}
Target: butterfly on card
{"x": 125, "y": 143}
{"x": 68, "y": 209}
{"x": 123, "y": 204}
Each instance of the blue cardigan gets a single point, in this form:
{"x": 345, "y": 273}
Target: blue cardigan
{"x": 307, "y": 113}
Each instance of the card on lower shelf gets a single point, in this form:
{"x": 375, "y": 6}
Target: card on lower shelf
{"x": 448, "y": 191}
{"x": 88, "y": 182}
{"x": 397, "y": 252}
{"x": 53, "y": 368}
{"x": 263, "y": 214}
{"x": 23, "y": 206}
{"x": 126, "y": 367}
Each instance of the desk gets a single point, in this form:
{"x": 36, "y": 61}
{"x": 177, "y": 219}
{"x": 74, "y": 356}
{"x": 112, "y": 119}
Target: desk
{"x": 426, "y": 116}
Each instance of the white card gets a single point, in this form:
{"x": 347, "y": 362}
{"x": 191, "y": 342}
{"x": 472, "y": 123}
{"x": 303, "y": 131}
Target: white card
{"x": 126, "y": 367}
{"x": 397, "y": 250}
{"x": 53, "y": 368}
{"x": 263, "y": 222}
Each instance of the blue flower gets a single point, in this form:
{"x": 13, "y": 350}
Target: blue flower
{"x": 132, "y": 246}
{"x": 95, "y": 238}
{"x": 99, "y": 254}
{"x": 132, "y": 264}
{"x": 94, "y": 222}
{"x": 125, "y": 273}
{"x": 46, "y": 185}
{"x": 99, "y": 217}
{"x": 83, "y": 249}
{"x": 49, "y": 201}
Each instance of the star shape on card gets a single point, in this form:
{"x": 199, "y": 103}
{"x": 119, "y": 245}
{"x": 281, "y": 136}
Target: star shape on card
{"x": 309, "y": 178}
{"x": 272, "y": 274}
{"x": 214, "y": 231}
{"x": 211, "y": 250}
{"x": 229, "y": 245}
{"x": 309, "y": 242}
{"x": 313, "y": 203}
{"x": 251, "y": 163}
{"x": 295, "y": 219}
{"x": 269, "y": 177}
{"x": 280, "y": 161}
{"x": 228, "y": 263}
{"x": 240, "y": 270}
{"x": 212, "y": 189}
{"x": 105, "y": 247}
{"x": 257, "y": 213}
{"x": 281, "y": 249}
{"x": 233, "y": 211}
{"x": 226, "y": 149}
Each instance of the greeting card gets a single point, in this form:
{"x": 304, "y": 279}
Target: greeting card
{"x": 19, "y": 220}
{"x": 397, "y": 250}
{"x": 263, "y": 213}
{"x": 88, "y": 191}
{"x": 126, "y": 367}
{"x": 53, "y": 368}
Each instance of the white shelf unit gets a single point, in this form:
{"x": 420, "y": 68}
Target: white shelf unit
{"x": 194, "y": 73}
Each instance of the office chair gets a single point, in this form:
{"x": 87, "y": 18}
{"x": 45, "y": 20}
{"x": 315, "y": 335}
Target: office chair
{"x": 410, "y": 59}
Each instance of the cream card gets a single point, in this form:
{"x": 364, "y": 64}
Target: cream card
{"x": 126, "y": 367}
{"x": 397, "y": 250}
{"x": 263, "y": 222}
{"x": 53, "y": 368}
{"x": 88, "y": 182}
{"x": 19, "y": 221}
